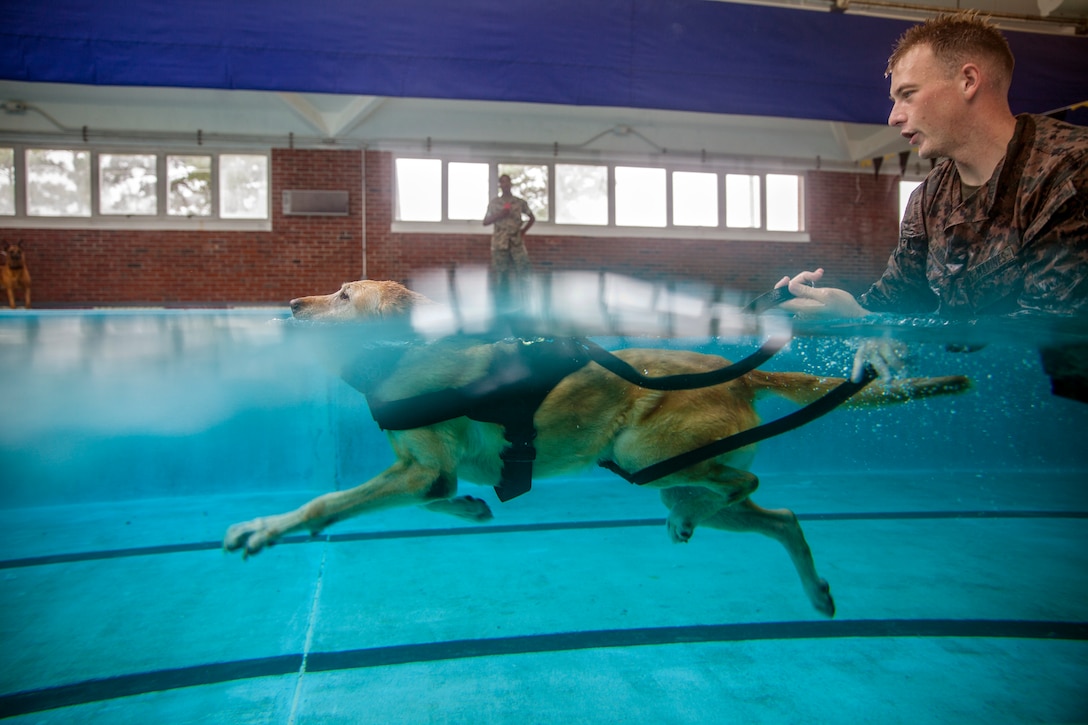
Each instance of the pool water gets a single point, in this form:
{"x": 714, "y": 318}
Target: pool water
{"x": 953, "y": 532}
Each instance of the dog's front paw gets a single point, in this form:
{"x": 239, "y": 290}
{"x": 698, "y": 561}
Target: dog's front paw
{"x": 681, "y": 528}
{"x": 469, "y": 508}
{"x": 251, "y": 536}
{"x": 476, "y": 509}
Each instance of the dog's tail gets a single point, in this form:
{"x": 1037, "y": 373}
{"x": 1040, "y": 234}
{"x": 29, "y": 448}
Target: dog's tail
{"x": 803, "y": 389}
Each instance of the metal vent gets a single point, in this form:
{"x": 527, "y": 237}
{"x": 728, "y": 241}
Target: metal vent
{"x": 315, "y": 203}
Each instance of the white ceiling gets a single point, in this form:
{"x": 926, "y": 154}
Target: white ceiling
{"x": 181, "y": 117}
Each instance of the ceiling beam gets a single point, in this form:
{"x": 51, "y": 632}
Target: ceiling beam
{"x": 333, "y": 124}
{"x": 879, "y": 143}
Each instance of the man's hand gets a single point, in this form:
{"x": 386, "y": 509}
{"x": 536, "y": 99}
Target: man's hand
{"x": 819, "y": 302}
{"x": 889, "y": 357}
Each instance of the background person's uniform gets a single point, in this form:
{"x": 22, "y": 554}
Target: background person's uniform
{"x": 507, "y": 245}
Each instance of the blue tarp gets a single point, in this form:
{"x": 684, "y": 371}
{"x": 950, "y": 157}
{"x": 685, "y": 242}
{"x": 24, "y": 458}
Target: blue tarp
{"x": 692, "y": 55}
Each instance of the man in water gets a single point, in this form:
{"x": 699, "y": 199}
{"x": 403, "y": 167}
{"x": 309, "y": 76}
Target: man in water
{"x": 1000, "y": 226}
{"x": 508, "y": 256}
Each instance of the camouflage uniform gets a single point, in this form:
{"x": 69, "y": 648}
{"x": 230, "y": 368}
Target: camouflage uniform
{"x": 507, "y": 246}
{"x": 1020, "y": 243}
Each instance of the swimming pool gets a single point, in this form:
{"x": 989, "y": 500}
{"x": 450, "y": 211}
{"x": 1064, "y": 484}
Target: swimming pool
{"x": 952, "y": 530}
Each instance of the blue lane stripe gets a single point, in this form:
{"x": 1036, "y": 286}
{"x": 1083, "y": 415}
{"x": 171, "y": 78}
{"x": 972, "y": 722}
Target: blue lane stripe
{"x": 515, "y": 529}
{"x": 109, "y": 688}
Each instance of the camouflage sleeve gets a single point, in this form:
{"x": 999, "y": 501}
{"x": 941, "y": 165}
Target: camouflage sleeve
{"x": 903, "y": 286}
{"x": 1056, "y": 253}
{"x": 493, "y": 207}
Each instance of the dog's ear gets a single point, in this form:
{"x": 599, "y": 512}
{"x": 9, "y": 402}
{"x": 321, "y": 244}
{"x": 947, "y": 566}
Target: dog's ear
{"x": 396, "y": 299}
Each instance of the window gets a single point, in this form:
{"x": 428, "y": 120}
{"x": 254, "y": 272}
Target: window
{"x": 906, "y": 188}
{"x": 640, "y": 197}
{"x": 605, "y": 199}
{"x": 54, "y": 187}
{"x": 469, "y": 190}
{"x": 127, "y": 184}
{"x": 7, "y": 182}
{"x": 58, "y": 182}
{"x": 189, "y": 186}
{"x": 742, "y": 205}
{"x": 581, "y": 194}
{"x": 783, "y": 202}
{"x": 530, "y": 182}
{"x": 419, "y": 190}
{"x": 243, "y": 184}
{"x": 694, "y": 199}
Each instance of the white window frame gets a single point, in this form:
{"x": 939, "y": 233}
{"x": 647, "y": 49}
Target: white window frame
{"x": 903, "y": 198}
{"x": 611, "y": 229}
{"x": 161, "y": 220}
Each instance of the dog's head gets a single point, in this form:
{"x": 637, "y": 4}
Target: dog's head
{"x": 14, "y": 252}
{"x": 362, "y": 300}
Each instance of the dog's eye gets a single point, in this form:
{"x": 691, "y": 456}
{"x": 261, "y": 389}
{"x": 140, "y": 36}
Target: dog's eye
{"x": 343, "y": 294}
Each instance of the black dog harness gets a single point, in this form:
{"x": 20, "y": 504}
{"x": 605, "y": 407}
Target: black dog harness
{"x": 521, "y": 376}
{"x": 509, "y": 394}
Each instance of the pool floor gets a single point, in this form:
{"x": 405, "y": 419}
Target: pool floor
{"x": 962, "y": 597}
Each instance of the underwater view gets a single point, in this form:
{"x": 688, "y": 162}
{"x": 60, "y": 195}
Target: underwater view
{"x": 951, "y": 529}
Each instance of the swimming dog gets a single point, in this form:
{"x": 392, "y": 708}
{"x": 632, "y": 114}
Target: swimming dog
{"x": 15, "y": 273}
{"x": 591, "y": 415}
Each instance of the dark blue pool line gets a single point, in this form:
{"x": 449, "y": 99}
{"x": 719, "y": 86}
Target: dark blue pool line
{"x": 514, "y": 529}
{"x": 109, "y": 688}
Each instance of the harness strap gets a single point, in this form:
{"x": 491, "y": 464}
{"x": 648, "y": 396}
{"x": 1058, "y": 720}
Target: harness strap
{"x": 810, "y": 412}
{"x": 684, "y": 381}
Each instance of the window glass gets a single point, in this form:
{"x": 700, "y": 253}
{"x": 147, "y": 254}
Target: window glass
{"x": 640, "y": 197}
{"x": 243, "y": 186}
{"x": 419, "y": 190}
{"x": 469, "y": 190}
{"x": 530, "y": 182}
{"x": 7, "y": 181}
{"x": 58, "y": 182}
{"x": 906, "y": 188}
{"x": 742, "y": 201}
{"x": 581, "y": 194}
{"x": 127, "y": 184}
{"x": 694, "y": 199}
{"x": 189, "y": 185}
{"x": 783, "y": 202}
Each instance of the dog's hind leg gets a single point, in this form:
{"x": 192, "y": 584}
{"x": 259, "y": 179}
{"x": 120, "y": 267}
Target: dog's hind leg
{"x": 406, "y": 482}
{"x": 780, "y": 525}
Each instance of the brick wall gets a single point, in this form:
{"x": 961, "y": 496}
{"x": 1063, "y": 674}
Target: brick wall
{"x": 179, "y": 268}
{"x": 851, "y": 219}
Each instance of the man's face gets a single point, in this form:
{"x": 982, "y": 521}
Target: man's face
{"x": 927, "y": 104}
{"x": 504, "y": 183}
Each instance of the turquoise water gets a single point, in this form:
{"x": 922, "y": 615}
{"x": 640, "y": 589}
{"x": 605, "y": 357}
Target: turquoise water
{"x": 952, "y": 530}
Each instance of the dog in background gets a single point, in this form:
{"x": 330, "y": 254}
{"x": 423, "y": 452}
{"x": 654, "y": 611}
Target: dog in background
{"x": 15, "y": 274}
{"x": 591, "y": 415}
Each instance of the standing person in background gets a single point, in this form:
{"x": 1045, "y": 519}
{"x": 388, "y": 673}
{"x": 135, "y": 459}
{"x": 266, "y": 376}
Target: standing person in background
{"x": 509, "y": 260}
{"x": 1000, "y": 225}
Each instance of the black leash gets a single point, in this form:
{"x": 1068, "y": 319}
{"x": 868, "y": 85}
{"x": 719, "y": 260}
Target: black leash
{"x": 810, "y": 412}
{"x": 767, "y": 300}
{"x": 684, "y": 381}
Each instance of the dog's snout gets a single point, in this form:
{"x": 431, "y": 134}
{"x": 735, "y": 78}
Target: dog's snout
{"x": 296, "y": 306}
